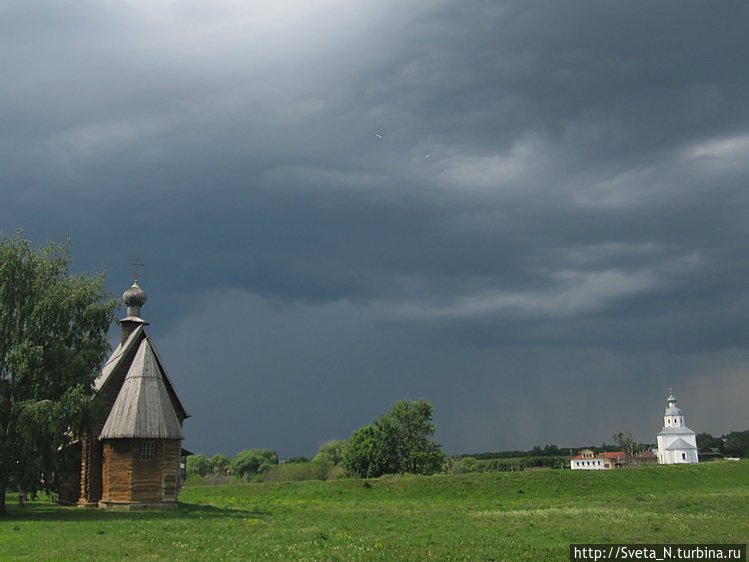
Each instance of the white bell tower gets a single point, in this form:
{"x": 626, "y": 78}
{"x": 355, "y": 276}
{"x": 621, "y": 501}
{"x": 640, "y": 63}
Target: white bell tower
{"x": 676, "y": 442}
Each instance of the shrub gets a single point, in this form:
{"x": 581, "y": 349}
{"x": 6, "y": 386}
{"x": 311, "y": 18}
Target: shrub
{"x": 314, "y": 470}
{"x": 332, "y": 451}
{"x": 456, "y": 465}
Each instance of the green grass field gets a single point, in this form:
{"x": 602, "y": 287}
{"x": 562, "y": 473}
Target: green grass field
{"x": 489, "y": 516}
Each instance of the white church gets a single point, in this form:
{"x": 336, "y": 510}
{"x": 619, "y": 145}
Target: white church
{"x": 676, "y": 442}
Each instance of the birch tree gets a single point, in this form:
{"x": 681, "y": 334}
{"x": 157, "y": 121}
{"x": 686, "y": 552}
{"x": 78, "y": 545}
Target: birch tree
{"x": 53, "y": 341}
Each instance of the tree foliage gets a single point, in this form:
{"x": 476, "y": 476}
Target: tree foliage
{"x": 628, "y": 446}
{"x": 255, "y": 461}
{"x": 399, "y": 441}
{"x": 298, "y": 460}
{"x": 197, "y": 464}
{"x": 53, "y": 341}
{"x": 218, "y": 464}
{"x": 364, "y": 452}
{"x": 737, "y": 444}
{"x": 332, "y": 452}
{"x": 707, "y": 440}
{"x": 547, "y": 451}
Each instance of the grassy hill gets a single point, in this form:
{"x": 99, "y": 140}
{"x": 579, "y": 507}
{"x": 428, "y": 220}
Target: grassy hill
{"x": 488, "y": 516}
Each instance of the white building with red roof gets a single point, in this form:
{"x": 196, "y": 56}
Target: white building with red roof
{"x": 588, "y": 460}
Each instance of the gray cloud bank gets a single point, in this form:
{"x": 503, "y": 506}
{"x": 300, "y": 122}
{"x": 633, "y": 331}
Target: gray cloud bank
{"x": 575, "y": 241}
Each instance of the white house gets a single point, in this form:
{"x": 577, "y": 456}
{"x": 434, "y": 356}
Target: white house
{"x": 676, "y": 442}
{"x": 588, "y": 460}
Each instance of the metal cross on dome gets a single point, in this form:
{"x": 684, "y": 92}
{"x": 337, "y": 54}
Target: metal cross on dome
{"x": 137, "y": 264}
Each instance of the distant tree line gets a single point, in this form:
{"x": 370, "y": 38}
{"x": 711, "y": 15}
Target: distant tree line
{"x": 537, "y": 451}
{"x": 735, "y": 444}
{"x": 554, "y": 451}
{"x": 401, "y": 442}
{"x": 458, "y": 464}
{"x": 398, "y": 442}
{"x": 263, "y": 465}
{"x": 244, "y": 465}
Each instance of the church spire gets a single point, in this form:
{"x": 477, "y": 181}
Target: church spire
{"x": 673, "y": 416}
{"x": 134, "y": 299}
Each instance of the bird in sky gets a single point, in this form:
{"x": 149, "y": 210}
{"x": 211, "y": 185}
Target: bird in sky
{"x": 379, "y": 136}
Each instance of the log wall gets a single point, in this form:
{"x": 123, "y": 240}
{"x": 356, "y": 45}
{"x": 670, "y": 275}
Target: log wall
{"x": 128, "y": 478}
{"x": 90, "y": 473}
{"x": 170, "y": 470}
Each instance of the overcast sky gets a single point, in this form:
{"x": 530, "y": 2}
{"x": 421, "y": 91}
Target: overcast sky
{"x": 531, "y": 214}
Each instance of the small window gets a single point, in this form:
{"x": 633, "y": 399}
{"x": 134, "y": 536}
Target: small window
{"x": 149, "y": 451}
{"x": 683, "y": 456}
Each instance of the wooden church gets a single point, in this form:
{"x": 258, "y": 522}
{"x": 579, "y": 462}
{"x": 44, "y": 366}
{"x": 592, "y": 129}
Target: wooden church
{"x": 132, "y": 460}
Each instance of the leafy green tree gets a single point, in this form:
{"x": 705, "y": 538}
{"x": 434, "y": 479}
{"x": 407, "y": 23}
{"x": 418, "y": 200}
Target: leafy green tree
{"x": 332, "y": 452}
{"x": 298, "y": 460}
{"x": 409, "y": 430}
{"x": 551, "y": 451}
{"x": 218, "y": 464}
{"x": 707, "y": 440}
{"x": 398, "y": 442}
{"x": 451, "y": 464}
{"x": 737, "y": 444}
{"x": 365, "y": 453}
{"x": 547, "y": 451}
{"x": 197, "y": 464}
{"x": 470, "y": 464}
{"x": 53, "y": 341}
{"x": 255, "y": 461}
{"x": 628, "y": 446}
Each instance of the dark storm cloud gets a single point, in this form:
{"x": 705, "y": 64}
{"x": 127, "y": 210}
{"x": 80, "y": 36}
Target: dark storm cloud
{"x": 515, "y": 182}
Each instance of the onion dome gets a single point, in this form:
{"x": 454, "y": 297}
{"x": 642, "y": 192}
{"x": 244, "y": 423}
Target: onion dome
{"x": 672, "y": 409}
{"x": 134, "y": 298}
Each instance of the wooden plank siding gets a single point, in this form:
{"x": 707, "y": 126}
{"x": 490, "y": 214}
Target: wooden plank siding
{"x": 129, "y": 479}
{"x": 117, "y": 471}
{"x": 90, "y": 478}
{"x": 170, "y": 469}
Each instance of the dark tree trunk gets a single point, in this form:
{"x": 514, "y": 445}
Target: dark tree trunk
{"x": 3, "y": 511}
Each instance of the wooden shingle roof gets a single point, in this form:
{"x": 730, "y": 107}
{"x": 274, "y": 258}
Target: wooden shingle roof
{"x": 144, "y": 407}
{"x": 109, "y": 381}
{"x": 120, "y": 354}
